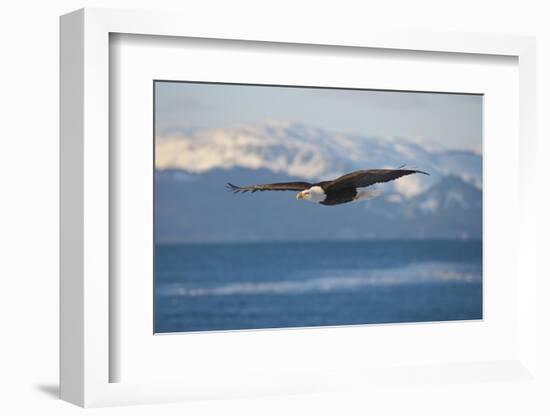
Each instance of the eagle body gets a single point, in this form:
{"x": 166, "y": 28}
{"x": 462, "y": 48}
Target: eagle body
{"x": 346, "y": 188}
{"x": 317, "y": 194}
{"x": 340, "y": 196}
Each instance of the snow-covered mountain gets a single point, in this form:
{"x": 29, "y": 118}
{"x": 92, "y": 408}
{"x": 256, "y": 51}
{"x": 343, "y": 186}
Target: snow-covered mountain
{"x": 306, "y": 152}
{"x": 193, "y": 167}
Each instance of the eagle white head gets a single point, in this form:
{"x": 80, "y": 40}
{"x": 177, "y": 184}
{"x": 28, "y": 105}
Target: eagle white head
{"x": 313, "y": 194}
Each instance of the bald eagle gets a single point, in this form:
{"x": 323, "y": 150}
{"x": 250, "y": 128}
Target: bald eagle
{"x": 338, "y": 191}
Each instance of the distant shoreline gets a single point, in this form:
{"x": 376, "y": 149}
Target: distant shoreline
{"x": 324, "y": 241}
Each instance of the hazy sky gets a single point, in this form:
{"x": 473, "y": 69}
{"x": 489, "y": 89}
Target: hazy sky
{"x": 453, "y": 120}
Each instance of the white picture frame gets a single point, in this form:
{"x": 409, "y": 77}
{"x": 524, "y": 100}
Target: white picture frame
{"x": 86, "y": 331}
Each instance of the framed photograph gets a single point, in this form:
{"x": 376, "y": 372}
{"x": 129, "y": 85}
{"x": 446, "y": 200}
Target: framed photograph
{"x": 260, "y": 213}
{"x": 412, "y": 254}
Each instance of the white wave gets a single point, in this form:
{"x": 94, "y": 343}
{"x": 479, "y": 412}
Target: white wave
{"x": 424, "y": 273}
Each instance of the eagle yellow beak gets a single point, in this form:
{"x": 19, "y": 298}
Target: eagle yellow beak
{"x": 299, "y": 195}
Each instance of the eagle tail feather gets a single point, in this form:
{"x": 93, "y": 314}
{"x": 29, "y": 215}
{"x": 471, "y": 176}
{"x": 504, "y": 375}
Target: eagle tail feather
{"x": 236, "y": 189}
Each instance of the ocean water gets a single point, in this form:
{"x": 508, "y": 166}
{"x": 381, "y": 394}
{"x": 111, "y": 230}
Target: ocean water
{"x": 229, "y": 286}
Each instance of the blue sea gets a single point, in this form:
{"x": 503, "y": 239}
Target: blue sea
{"x": 229, "y": 286}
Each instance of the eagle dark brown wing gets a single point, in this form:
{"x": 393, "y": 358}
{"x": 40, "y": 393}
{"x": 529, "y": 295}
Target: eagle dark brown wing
{"x": 363, "y": 178}
{"x": 283, "y": 186}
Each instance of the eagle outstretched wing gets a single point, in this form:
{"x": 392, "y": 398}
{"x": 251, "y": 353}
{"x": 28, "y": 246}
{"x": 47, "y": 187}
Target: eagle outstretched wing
{"x": 363, "y": 178}
{"x": 283, "y": 186}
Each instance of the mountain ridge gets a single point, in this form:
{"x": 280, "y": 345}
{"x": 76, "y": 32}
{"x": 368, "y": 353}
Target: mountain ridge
{"x": 197, "y": 208}
{"x": 311, "y": 153}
